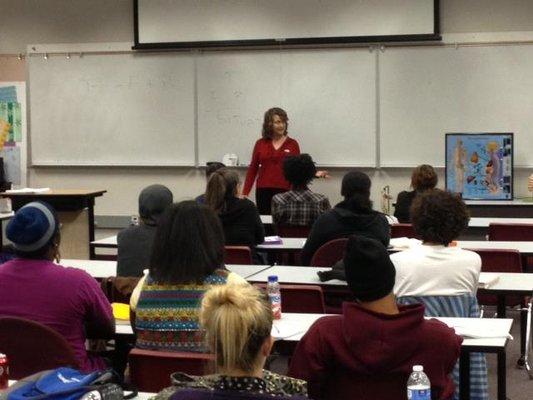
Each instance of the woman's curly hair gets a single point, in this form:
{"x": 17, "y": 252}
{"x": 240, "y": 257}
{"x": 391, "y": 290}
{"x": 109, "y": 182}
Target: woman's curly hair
{"x": 439, "y": 216}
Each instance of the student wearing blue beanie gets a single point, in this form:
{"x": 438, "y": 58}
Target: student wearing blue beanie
{"x": 32, "y": 286}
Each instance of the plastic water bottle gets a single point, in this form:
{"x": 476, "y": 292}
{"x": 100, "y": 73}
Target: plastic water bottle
{"x": 274, "y": 295}
{"x": 418, "y": 386}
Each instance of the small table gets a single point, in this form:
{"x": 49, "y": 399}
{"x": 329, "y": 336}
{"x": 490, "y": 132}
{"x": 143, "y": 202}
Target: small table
{"x": 69, "y": 203}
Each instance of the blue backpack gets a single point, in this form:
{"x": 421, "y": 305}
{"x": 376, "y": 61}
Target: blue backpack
{"x": 58, "y": 384}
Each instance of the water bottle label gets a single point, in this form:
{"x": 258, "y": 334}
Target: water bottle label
{"x": 419, "y": 394}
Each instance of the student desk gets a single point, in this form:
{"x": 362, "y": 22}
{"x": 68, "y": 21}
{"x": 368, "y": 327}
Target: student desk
{"x": 287, "y": 244}
{"x": 500, "y": 208}
{"x": 75, "y": 209}
{"x": 100, "y": 269}
{"x": 292, "y": 326}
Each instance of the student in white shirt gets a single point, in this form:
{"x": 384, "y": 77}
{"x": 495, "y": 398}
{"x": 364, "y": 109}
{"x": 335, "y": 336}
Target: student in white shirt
{"x": 435, "y": 267}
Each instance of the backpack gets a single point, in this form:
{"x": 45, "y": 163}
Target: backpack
{"x": 63, "y": 384}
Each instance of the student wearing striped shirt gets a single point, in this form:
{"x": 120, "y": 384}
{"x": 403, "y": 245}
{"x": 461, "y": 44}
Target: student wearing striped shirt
{"x": 187, "y": 260}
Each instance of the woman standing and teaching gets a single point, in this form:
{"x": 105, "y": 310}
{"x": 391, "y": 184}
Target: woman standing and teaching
{"x": 267, "y": 160}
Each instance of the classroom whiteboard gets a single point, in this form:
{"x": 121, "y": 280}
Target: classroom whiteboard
{"x": 427, "y": 92}
{"x": 329, "y": 95}
{"x": 112, "y": 109}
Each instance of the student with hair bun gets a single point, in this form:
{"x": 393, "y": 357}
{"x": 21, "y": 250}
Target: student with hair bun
{"x": 237, "y": 320}
{"x": 240, "y": 219}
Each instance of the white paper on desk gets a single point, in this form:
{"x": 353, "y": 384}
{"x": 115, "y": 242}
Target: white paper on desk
{"x": 476, "y": 333}
{"x": 487, "y": 281}
{"x": 284, "y": 329}
{"x": 28, "y": 190}
{"x": 403, "y": 242}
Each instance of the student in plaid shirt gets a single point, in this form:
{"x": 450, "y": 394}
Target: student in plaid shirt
{"x": 299, "y": 206}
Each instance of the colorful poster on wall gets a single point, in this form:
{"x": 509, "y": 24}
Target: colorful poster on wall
{"x": 13, "y": 131}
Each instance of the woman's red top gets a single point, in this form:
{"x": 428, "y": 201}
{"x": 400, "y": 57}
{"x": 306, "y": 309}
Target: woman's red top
{"x": 267, "y": 165}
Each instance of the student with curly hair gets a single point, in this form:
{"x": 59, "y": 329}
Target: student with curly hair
{"x": 237, "y": 320}
{"x": 299, "y": 206}
{"x": 423, "y": 178}
{"x": 441, "y": 276}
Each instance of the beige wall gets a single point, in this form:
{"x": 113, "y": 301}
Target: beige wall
{"x": 24, "y": 22}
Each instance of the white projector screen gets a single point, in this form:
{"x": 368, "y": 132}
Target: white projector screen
{"x": 208, "y": 23}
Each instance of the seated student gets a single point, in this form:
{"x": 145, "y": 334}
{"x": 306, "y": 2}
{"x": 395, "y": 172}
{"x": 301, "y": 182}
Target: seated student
{"x": 343, "y": 356}
{"x": 423, "y": 178}
{"x": 443, "y": 277}
{"x": 211, "y": 167}
{"x": 186, "y": 260}
{"x": 32, "y": 286}
{"x": 135, "y": 242}
{"x": 237, "y": 320}
{"x": 354, "y": 215}
{"x": 299, "y": 206}
{"x": 240, "y": 219}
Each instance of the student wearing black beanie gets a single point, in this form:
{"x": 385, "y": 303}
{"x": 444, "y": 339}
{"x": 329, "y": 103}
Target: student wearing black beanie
{"x": 344, "y": 356}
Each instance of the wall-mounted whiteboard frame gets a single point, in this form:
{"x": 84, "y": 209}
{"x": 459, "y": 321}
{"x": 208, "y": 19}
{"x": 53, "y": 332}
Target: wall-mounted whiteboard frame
{"x": 237, "y": 23}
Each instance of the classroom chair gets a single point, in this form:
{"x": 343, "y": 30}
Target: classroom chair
{"x": 308, "y": 299}
{"x": 345, "y": 384}
{"x": 512, "y": 233}
{"x": 238, "y": 255}
{"x": 31, "y": 347}
{"x": 329, "y": 253}
{"x": 150, "y": 370}
{"x": 292, "y": 231}
{"x": 402, "y": 230}
{"x": 499, "y": 260}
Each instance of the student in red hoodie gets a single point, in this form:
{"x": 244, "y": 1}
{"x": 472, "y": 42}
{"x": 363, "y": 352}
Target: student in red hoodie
{"x": 369, "y": 350}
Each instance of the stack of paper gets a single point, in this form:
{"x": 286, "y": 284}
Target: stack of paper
{"x": 28, "y": 190}
{"x": 477, "y": 333}
{"x": 284, "y": 329}
{"x": 403, "y": 243}
{"x": 487, "y": 280}
{"x": 272, "y": 240}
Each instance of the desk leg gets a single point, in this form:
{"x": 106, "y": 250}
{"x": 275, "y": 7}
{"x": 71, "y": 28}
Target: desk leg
{"x": 464, "y": 375}
{"x": 523, "y": 336}
{"x": 502, "y": 375}
{"x": 528, "y": 338}
{"x": 92, "y": 253}
{"x": 501, "y": 306}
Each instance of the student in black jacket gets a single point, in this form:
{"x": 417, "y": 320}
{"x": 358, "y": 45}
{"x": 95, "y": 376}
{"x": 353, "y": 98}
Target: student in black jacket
{"x": 353, "y": 215}
{"x": 423, "y": 178}
{"x": 240, "y": 218}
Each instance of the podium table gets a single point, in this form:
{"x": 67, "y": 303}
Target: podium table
{"x": 75, "y": 208}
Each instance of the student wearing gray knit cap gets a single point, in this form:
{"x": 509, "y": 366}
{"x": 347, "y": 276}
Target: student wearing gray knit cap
{"x": 369, "y": 350}
{"x": 33, "y": 287}
{"x": 135, "y": 242}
